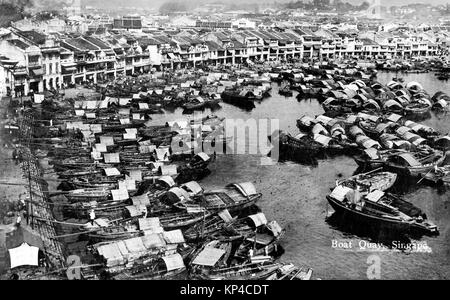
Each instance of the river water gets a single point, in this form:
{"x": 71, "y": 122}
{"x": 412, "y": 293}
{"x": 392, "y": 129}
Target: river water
{"x": 294, "y": 195}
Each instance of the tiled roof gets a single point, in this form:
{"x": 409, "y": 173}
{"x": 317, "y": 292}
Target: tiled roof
{"x": 33, "y": 36}
{"x": 97, "y": 42}
{"x": 80, "y": 44}
{"x": 18, "y": 43}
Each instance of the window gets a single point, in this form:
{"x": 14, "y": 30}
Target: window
{"x": 50, "y": 69}
{"x": 56, "y": 68}
{"x": 44, "y": 68}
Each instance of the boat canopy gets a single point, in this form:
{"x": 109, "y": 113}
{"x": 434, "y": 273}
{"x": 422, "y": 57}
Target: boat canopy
{"x": 330, "y": 100}
{"x": 402, "y": 130}
{"x": 193, "y": 187}
{"x": 375, "y": 196}
{"x": 162, "y": 153}
{"x": 394, "y": 117}
{"x": 247, "y": 188}
{"x": 380, "y": 128}
{"x": 419, "y": 141}
{"x": 168, "y": 170}
{"x": 300, "y": 136}
{"x": 324, "y": 120}
{"x": 258, "y": 219}
{"x": 440, "y": 103}
{"x": 209, "y": 256}
{"x": 111, "y": 158}
{"x": 415, "y": 86}
{"x": 370, "y": 103}
{"x": 179, "y": 193}
{"x": 340, "y": 192}
{"x": 141, "y": 200}
{"x": 319, "y": 129}
{"x": 150, "y": 225}
{"x": 120, "y": 195}
{"x": 173, "y": 262}
{"x": 355, "y": 131}
{"x": 365, "y": 116}
{"x": 136, "y": 211}
{"x": 307, "y": 120}
{"x": 372, "y": 153}
{"x": 392, "y": 103}
{"x": 119, "y": 252}
{"x": 203, "y": 156}
{"x": 409, "y": 159}
{"x": 112, "y": 172}
{"x": 367, "y": 142}
{"x": 173, "y": 237}
{"x": 168, "y": 180}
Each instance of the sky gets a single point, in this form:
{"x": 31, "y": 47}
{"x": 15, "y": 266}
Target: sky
{"x": 157, "y": 3}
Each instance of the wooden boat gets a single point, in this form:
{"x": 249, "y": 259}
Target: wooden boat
{"x": 418, "y": 108}
{"x": 305, "y": 123}
{"x": 414, "y": 163}
{"x": 291, "y": 272}
{"x": 299, "y": 146}
{"x": 209, "y": 227}
{"x": 249, "y": 271}
{"x": 370, "y": 181}
{"x": 212, "y": 255}
{"x": 285, "y": 91}
{"x": 165, "y": 268}
{"x": 374, "y": 159}
{"x": 261, "y": 241}
{"x": 235, "y": 196}
{"x": 381, "y": 210}
{"x": 87, "y": 195}
{"x": 200, "y": 103}
{"x": 78, "y": 172}
{"x": 438, "y": 176}
{"x": 182, "y": 220}
{"x": 241, "y": 100}
{"x": 110, "y": 233}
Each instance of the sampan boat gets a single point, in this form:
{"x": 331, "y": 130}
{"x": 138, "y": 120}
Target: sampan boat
{"x": 381, "y": 210}
{"x": 370, "y": 181}
{"x": 233, "y": 197}
{"x": 414, "y": 164}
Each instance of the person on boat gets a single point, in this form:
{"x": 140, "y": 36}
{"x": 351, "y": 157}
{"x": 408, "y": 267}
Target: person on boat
{"x": 92, "y": 216}
{"x": 250, "y": 253}
{"x": 18, "y": 221}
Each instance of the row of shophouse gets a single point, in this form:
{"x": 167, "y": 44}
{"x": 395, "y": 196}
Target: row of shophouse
{"x": 34, "y": 62}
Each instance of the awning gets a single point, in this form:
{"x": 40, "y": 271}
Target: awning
{"x": 208, "y": 257}
{"x": 173, "y": 262}
{"x": 111, "y": 158}
{"x": 150, "y": 225}
{"x": 120, "y": 195}
{"x": 24, "y": 255}
{"x": 259, "y": 219}
{"x": 173, "y": 237}
{"x": 37, "y": 72}
{"x": 20, "y": 73}
{"x": 111, "y": 171}
{"x": 69, "y": 69}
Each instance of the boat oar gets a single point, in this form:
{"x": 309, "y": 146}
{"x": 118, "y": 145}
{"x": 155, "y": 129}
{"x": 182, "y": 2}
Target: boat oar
{"x": 423, "y": 177}
{"x": 373, "y": 171}
{"x": 295, "y": 275}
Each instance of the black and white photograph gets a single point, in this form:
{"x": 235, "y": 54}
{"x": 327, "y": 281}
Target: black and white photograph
{"x": 206, "y": 142}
